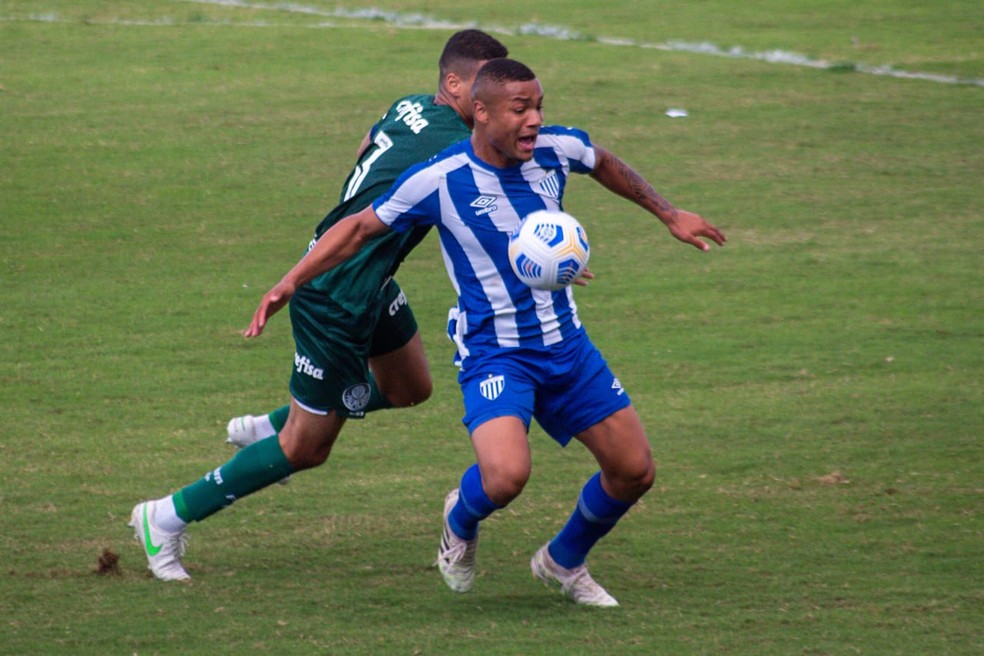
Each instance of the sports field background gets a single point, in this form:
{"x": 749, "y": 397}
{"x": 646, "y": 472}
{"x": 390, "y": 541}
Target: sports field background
{"x": 812, "y": 391}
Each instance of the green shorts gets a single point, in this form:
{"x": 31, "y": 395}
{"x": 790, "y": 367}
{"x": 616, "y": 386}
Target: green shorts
{"x": 332, "y": 347}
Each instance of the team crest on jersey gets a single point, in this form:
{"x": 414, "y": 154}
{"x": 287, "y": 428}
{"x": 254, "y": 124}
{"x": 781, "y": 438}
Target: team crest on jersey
{"x": 356, "y": 398}
{"x": 492, "y": 387}
{"x": 550, "y": 185}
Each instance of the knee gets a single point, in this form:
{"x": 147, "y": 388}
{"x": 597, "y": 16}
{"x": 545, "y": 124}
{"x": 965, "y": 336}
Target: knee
{"x": 410, "y": 393}
{"x": 646, "y": 476}
{"x": 302, "y": 453}
{"x": 504, "y": 484}
{"x": 632, "y": 480}
{"x": 419, "y": 392}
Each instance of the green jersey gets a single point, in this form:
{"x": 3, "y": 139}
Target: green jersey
{"x": 413, "y": 130}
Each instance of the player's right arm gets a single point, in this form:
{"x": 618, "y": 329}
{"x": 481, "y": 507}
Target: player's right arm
{"x": 338, "y": 244}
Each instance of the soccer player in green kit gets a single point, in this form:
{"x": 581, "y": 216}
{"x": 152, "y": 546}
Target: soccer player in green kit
{"x": 357, "y": 344}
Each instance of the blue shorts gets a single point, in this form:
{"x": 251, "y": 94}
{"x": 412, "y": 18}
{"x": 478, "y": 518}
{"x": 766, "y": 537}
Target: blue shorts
{"x": 566, "y": 387}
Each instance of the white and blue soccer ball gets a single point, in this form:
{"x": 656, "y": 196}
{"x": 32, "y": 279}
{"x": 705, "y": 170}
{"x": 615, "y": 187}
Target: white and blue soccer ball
{"x": 549, "y": 250}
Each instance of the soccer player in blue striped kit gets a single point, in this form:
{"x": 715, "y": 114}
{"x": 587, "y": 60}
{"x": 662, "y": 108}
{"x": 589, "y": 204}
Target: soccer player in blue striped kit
{"x": 522, "y": 353}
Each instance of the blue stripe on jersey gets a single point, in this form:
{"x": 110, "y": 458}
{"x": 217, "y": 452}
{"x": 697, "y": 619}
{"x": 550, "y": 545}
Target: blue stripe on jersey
{"x": 517, "y": 189}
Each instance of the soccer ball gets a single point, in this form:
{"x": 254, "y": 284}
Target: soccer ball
{"x": 549, "y": 250}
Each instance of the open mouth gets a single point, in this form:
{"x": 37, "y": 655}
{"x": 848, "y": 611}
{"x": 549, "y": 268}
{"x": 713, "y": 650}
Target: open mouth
{"x": 527, "y": 143}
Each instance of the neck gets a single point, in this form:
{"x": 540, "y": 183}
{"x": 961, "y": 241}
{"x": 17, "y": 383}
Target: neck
{"x": 490, "y": 154}
{"x": 442, "y": 97}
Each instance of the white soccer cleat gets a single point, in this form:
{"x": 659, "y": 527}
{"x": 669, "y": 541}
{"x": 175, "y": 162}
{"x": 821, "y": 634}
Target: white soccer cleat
{"x": 242, "y": 433}
{"x": 163, "y": 550}
{"x": 456, "y": 557}
{"x": 575, "y": 583}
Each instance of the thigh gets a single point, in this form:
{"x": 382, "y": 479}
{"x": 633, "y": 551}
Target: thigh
{"x": 403, "y": 376}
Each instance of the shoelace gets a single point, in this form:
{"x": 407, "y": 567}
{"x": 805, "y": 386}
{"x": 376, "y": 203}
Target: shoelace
{"x": 458, "y": 549}
{"x": 179, "y": 543}
{"x": 581, "y": 580}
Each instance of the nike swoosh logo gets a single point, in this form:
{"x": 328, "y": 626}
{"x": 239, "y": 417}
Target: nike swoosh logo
{"x": 152, "y": 549}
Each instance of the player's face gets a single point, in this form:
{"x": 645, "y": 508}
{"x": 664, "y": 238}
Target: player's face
{"x": 508, "y": 123}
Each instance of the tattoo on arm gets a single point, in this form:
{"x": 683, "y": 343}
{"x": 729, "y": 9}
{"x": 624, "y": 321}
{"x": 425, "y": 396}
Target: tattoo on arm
{"x": 638, "y": 189}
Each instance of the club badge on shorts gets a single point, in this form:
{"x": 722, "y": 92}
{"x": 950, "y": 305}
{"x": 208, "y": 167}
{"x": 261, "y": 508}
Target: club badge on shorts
{"x": 356, "y": 398}
{"x": 492, "y": 387}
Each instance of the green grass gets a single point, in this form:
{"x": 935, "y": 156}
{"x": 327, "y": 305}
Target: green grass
{"x": 813, "y": 391}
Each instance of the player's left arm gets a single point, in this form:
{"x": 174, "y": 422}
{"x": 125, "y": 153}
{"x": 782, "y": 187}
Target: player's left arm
{"x": 619, "y": 178}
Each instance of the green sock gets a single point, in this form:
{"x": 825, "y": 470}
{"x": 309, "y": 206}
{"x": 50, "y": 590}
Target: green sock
{"x": 278, "y": 418}
{"x": 253, "y": 468}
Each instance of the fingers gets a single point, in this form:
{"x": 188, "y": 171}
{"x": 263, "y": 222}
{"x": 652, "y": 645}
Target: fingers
{"x": 256, "y": 326}
{"x": 260, "y": 317}
{"x": 691, "y": 227}
{"x": 586, "y": 275}
{"x": 715, "y": 235}
{"x": 272, "y": 302}
{"x": 701, "y": 245}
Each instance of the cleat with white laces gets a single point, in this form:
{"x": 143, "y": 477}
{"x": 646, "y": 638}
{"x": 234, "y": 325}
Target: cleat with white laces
{"x": 456, "y": 557}
{"x": 242, "y": 433}
{"x": 575, "y": 583}
{"x": 163, "y": 549}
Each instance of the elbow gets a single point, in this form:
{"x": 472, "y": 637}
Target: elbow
{"x": 364, "y": 226}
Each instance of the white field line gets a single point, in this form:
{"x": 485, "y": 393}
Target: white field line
{"x": 420, "y": 21}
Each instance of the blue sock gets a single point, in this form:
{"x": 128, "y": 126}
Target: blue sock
{"x": 473, "y": 505}
{"x": 595, "y": 515}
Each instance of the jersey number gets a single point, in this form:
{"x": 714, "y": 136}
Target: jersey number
{"x": 383, "y": 143}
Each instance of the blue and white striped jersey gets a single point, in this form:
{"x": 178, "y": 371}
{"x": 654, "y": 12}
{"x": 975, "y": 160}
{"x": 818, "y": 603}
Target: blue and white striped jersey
{"x": 476, "y": 207}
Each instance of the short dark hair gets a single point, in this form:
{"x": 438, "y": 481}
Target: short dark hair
{"x": 466, "y": 47}
{"x": 499, "y": 72}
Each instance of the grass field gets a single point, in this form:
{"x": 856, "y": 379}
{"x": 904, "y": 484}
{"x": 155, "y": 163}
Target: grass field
{"x": 814, "y": 391}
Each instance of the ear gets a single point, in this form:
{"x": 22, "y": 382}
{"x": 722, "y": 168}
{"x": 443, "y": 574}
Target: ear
{"x": 481, "y": 112}
{"x": 453, "y": 84}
